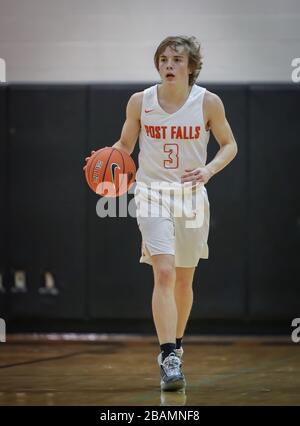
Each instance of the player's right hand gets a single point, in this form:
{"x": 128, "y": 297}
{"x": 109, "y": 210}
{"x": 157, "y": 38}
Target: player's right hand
{"x": 87, "y": 159}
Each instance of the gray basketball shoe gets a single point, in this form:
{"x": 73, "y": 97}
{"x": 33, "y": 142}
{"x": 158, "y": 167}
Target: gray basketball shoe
{"x": 171, "y": 376}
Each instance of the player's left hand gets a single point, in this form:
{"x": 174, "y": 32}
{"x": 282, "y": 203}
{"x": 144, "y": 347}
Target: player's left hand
{"x": 201, "y": 174}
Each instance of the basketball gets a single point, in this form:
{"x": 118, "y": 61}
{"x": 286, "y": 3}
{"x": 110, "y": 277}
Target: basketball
{"x": 110, "y": 172}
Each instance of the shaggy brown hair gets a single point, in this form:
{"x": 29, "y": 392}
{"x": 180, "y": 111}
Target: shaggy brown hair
{"x": 191, "y": 47}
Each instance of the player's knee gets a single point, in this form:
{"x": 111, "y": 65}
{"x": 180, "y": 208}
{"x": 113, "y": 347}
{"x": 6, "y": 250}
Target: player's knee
{"x": 184, "y": 284}
{"x": 165, "y": 276}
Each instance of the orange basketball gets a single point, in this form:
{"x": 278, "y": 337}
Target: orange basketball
{"x": 110, "y": 172}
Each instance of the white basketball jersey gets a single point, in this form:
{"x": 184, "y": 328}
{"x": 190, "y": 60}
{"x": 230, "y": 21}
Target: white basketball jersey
{"x": 171, "y": 143}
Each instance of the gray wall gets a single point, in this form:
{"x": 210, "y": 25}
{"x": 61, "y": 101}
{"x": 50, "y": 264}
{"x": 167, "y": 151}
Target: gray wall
{"x": 100, "y": 40}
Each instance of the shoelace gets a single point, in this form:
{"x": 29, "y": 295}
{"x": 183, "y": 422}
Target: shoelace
{"x": 171, "y": 363}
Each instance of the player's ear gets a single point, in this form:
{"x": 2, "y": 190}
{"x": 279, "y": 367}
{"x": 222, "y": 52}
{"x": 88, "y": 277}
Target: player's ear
{"x": 191, "y": 69}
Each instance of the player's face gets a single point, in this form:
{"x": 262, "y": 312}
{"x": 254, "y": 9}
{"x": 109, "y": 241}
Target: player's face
{"x": 173, "y": 66}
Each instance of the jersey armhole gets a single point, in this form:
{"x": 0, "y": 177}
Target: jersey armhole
{"x": 141, "y": 117}
{"x": 207, "y": 132}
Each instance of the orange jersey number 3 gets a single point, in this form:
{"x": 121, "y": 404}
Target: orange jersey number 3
{"x": 172, "y": 150}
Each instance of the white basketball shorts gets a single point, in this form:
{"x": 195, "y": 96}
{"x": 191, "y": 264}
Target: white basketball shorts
{"x": 176, "y": 225}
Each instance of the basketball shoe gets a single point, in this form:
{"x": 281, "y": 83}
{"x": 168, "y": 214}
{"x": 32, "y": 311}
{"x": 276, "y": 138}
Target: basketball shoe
{"x": 171, "y": 376}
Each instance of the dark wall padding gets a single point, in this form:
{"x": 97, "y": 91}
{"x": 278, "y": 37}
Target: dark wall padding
{"x": 49, "y": 221}
{"x": 48, "y": 197}
{"x": 3, "y": 199}
{"x": 274, "y": 202}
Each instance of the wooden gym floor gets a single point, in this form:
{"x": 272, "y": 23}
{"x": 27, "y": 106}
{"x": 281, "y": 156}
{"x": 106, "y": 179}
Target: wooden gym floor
{"x": 122, "y": 370}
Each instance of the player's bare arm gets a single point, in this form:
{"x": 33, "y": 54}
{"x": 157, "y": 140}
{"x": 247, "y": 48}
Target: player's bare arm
{"x": 132, "y": 125}
{"x": 216, "y": 121}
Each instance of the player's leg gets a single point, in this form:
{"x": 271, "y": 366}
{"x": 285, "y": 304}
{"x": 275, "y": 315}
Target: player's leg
{"x": 165, "y": 319}
{"x": 183, "y": 297}
{"x": 163, "y": 298}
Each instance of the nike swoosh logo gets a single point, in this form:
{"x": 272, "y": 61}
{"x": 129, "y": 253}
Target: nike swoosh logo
{"x": 148, "y": 110}
{"x": 113, "y": 168}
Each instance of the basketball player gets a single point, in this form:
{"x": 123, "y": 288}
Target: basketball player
{"x": 173, "y": 121}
